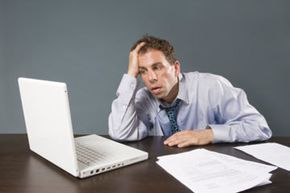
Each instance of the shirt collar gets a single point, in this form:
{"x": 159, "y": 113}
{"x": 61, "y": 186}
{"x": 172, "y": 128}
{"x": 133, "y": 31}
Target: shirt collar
{"x": 182, "y": 92}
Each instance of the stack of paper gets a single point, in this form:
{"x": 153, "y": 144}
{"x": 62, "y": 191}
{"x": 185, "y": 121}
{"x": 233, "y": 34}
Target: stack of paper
{"x": 272, "y": 153}
{"x": 206, "y": 171}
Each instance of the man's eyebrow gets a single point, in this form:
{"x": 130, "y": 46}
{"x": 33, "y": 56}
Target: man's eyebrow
{"x": 152, "y": 65}
{"x": 155, "y": 64}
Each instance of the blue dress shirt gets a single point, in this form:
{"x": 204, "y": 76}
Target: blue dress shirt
{"x": 207, "y": 100}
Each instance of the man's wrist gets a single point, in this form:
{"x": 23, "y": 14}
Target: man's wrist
{"x": 209, "y": 134}
{"x": 132, "y": 73}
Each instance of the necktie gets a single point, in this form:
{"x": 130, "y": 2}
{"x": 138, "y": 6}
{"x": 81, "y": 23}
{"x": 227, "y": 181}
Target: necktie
{"x": 172, "y": 116}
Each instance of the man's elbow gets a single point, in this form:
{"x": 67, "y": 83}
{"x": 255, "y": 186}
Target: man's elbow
{"x": 268, "y": 133}
{"x": 120, "y": 134}
{"x": 116, "y": 136}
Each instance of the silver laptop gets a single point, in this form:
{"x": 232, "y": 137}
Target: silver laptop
{"x": 50, "y": 134}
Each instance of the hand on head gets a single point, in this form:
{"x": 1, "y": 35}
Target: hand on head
{"x": 133, "y": 60}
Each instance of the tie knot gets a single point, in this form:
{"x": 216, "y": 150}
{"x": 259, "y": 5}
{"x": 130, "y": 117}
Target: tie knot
{"x": 172, "y": 107}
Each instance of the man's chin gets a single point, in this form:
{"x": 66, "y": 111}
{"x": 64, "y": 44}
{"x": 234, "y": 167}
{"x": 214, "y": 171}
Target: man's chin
{"x": 159, "y": 96}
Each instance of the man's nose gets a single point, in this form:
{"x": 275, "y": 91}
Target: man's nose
{"x": 152, "y": 76}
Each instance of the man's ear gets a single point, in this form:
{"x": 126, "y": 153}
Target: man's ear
{"x": 177, "y": 68}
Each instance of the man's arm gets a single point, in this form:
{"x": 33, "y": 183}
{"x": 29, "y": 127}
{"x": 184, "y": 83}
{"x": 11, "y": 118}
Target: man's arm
{"x": 238, "y": 121}
{"x": 241, "y": 122}
{"x": 123, "y": 120}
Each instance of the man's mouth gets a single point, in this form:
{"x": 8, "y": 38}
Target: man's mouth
{"x": 155, "y": 90}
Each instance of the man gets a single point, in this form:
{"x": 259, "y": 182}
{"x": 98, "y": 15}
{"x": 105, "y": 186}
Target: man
{"x": 189, "y": 108}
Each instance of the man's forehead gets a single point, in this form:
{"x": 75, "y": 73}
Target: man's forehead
{"x": 152, "y": 57}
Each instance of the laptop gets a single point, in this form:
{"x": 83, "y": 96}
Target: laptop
{"x": 50, "y": 133}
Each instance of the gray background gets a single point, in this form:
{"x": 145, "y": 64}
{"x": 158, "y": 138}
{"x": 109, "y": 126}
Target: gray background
{"x": 85, "y": 43}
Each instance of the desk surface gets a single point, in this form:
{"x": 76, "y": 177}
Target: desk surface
{"x": 23, "y": 171}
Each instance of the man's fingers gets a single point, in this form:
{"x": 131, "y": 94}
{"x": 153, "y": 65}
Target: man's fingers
{"x": 178, "y": 138}
{"x": 133, "y": 60}
{"x": 181, "y": 142}
{"x": 139, "y": 46}
{"x": 187, "y": 138}
{"x": 185, "y": 144}
{"x": 170, "y": 139}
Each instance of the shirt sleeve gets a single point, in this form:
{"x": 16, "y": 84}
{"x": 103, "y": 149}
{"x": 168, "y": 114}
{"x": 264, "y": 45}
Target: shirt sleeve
{"x": 237, "y": 120}
{"x": 123, "y": 120}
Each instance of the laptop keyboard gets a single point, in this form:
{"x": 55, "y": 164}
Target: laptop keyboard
{"x": 88, "y": 156}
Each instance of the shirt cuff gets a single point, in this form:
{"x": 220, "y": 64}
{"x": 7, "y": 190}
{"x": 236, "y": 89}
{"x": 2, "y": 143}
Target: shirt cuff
{"x": 221, "y": 133}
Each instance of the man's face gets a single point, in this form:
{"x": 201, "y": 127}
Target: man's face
{"x": 159, "y": 76}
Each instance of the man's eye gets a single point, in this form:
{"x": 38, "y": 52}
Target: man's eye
{"x": 156, "y": 68}
{"x": 141, "y": 71}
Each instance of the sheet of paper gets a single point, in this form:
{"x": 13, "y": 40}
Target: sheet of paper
{"x": 205, "y": 171}
{"x": 245, "y": 165}
{"x": 272, "y": 153}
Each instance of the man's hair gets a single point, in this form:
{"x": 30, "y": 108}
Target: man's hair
{"x": 155, "y": 43}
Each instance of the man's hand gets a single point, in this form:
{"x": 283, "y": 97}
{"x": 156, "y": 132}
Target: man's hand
{"x": 133, "y": 61}
{"x": 189, "y": 137}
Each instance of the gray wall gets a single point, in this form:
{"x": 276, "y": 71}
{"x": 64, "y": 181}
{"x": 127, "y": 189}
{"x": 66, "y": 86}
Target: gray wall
{"x": 3, "y": 76}
{"x": 85, "y": 44}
